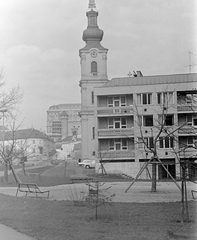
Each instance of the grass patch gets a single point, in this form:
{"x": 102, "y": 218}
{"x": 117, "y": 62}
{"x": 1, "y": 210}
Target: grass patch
{"x": 58, "y": 220}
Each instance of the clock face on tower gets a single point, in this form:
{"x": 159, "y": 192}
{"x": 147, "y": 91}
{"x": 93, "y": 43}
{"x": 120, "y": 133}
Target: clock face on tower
{"x": 93, "y": 53}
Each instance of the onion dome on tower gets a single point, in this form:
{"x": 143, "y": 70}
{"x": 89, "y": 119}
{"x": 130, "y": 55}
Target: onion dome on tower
{"x": 93, "y": 35}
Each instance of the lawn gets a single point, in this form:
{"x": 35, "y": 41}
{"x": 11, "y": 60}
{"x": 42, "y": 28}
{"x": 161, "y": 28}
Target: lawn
{"x": 62, "y": 220}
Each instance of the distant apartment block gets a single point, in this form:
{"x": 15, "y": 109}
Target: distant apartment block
{"x": 63, "y": 120}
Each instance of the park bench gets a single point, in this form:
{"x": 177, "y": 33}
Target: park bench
{"x": 193, "y": 195}
{"x": 31, "y": 188}
{"x": 28, "y": 188}
{"x": 79, "y": 178}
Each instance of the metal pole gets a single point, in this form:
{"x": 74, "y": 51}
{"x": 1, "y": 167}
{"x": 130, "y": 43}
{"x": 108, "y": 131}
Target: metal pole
{"x": 3, "y": 134}
{"x": 3, "y": 155}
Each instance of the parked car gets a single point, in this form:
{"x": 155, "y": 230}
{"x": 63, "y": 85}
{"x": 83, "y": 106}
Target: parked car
{"x": 87, "y": 163}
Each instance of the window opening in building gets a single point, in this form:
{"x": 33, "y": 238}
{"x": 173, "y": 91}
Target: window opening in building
{"x": 110, "y": 123}
{"x": 92, "y": 97}
{"x": 165, "y": 98}
{"x": 117, "y": 101}
{"x": 192, "y": 141}
{"x": 169, "y": 120}
{"x": 145, "y": 142}
{"x": 117, "y": 123}
{"x": 118, "y": 144}
{"x": 195, "y": 121}
{"x": 93, "y": 132}
{"x": 148, "y": 121}
{"x": 124, "y": 144}
{"x": 166, "y": 142}
{"x": 144, "y": 99}
{"x": 110, "y": 101}
{"x": 187, "y": 98}
{"x": 189, "y": 119}
{"x": 123, "y": 123}
{"x": 123, "y": 101}
{"x": 56, "y": 127}
{"x": 111, "y": 144}
{"x": 94, "y": 67}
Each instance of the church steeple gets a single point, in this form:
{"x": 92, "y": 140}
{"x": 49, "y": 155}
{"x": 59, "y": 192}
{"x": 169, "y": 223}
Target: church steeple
{"x": 93, "y": 55}
{"x": 93, "y": 60}
{"x": 92, "y": 35}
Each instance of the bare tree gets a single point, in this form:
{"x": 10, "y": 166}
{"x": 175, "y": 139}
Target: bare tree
{"x": 188, "y": 168}
{"x": 164, "y": 131}
{"x": 9, "y": 101}
{"x": 102, "y": 154}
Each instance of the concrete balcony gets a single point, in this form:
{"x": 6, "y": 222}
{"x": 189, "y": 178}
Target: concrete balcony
{"x": 186, "y": 108}
{"x": 116, "y": 155}
{"x": 113, "y": 133}
{"x": 114, "y": 111}
{"x": 187, "y": 130}
{"x": 188, "y": 153}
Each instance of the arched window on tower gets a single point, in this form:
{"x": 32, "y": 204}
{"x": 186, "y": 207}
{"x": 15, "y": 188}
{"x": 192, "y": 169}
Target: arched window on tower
{"x": 94, "y": 68}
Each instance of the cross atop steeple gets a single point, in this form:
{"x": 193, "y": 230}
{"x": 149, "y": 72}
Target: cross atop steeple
{"x": 129, "y": 74}
{"x": 92, "y": 4}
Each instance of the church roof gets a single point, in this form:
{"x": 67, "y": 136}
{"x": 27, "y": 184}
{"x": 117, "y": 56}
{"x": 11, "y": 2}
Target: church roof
{"x": 24, "y": 134}
{"x": 65, "y": 106}
{"x": 152, "y": 80}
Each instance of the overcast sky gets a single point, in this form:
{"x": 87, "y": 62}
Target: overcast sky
{"x": 40, "y": 42}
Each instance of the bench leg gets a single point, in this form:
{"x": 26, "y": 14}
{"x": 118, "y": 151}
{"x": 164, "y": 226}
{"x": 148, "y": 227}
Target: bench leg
{"x": 16, "y": 192}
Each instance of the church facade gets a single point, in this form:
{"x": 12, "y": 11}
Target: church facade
{"x": 127, "y": 122}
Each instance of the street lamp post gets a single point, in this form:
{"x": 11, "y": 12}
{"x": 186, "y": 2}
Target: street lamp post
{"x": 3, "y": 111}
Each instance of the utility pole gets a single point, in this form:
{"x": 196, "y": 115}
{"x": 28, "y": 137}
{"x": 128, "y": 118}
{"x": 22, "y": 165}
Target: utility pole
{"x": 190, "y": 65}
{"x": 190, "y": 62}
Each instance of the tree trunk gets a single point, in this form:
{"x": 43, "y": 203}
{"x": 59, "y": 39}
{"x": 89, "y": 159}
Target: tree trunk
{"x": 6, "y": 172}
{"x": 184, "y": 203}
{"x": 23, "y": 167}
{"x": 154, "y": 177}
{"x": 65, "y": 165}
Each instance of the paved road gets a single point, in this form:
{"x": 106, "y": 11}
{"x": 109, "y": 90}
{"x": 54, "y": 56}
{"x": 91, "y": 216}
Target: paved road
{"x": 140, "y": 192}
{"x": 7, "y": 233}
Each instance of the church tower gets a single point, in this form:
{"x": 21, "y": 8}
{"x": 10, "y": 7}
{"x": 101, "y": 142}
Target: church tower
{"x": 93, "y": 74}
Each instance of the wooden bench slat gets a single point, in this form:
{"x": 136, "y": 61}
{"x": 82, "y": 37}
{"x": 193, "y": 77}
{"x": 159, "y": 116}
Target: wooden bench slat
{"x": 193, "y": 191}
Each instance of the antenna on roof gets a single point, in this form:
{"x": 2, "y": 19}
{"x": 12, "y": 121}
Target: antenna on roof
{"x": 190, "y": 62}
{"x": 134, "y": 74}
